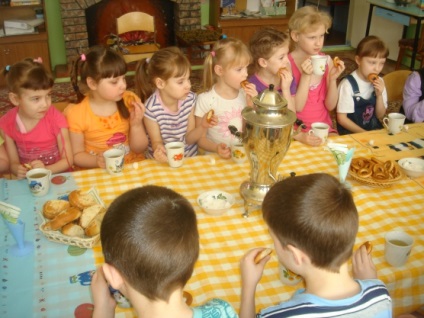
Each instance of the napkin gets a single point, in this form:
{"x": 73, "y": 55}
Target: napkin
{"x": 9, "y": 212}
{"x": 343, "y": 157}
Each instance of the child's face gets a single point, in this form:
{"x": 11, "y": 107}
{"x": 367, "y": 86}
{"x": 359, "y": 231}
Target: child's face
{"x": 278, "y": 59}
{"x": 310, "y": 42}
{"x": 367, "y": 65}
{"x": 177, "y": 87}
{"x": 233, "y": 75}
{"x": 111, "y": 88}
{"x": 32, "y": 104}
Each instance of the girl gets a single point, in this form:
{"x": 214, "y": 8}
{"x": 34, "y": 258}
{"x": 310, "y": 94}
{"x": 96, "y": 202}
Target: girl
{"x": 108, "y": 116}
{"x": 163, "y": 82}
{"x": 316, "y": 95}
{"x": 225, "y": 68}
{"x": 36, "y": 134}
{"x": 362, "y": 94}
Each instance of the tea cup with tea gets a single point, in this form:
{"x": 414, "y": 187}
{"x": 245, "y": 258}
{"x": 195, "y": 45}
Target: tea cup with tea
{"x": 114, "y": 160}
{"x": 175, "y": 153}
{"x": 398, "y": 247}
{"x": 394, "y": 122}
{"x": 320, "y": 130}
{"x": 39, "y": 181}
{"x": 238, "y": 153}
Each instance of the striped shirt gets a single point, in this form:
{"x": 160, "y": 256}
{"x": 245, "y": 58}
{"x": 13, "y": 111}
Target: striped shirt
{"x": 372, "y": 301}
{"x": 172, "y": 125}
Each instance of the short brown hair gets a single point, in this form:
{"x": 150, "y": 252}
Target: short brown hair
{"x": 372, "y": 46}
{"x": 263, "y": 43}
{"x": 150, "y": 236}
{"x": 316, "y": 214}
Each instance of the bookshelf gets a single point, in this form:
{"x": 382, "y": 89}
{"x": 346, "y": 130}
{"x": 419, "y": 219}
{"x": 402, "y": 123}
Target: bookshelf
{"x": 14, "y": 48}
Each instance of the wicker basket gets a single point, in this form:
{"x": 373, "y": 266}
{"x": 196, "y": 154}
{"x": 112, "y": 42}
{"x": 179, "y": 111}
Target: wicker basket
{"x": 377, "y": 184}
{"x": 58, "y": 237}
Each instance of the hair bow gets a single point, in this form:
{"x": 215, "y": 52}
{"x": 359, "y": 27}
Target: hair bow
{"x": 213, "y": 53}
{"x": 223, "y": 36}
{"x": 83, "y": 57}
{"x": 38, "y": 60}
{"x": 7, "y": 68}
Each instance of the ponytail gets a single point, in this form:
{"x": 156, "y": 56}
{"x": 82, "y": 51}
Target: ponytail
{"x": 143, "y": 86}
{"x": 74, "y": 78}
{"x": 208, "y": 72}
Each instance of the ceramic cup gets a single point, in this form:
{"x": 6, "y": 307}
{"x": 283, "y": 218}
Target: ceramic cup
{"x": 39, "y": 181}
{"x": 175, "y": 153}
{"x": 394, "y": 122}
{"x": 287, "y": 277}
{"x": 114, "y": 159}
{"x": 398, "y": 247}
{"x": 238, "y": 153}
{"x": 320, "y": 130}
{"x": 318, "y": 63}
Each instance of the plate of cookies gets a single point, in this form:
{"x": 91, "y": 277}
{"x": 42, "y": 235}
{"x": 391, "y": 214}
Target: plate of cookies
{"x": 374, "y": 172}
{"x": 74, "y": 219}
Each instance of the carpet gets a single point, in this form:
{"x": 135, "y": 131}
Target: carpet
{"x": 63, "y": 92}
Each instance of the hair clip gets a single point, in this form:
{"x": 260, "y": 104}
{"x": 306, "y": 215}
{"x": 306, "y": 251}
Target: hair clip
{"x": 38, "y": 60}
{"x": 223, "y": 36}
{"x": 148, "y": 60}
{"x": 83, "y": 58}
{"x": 7, "y": 68}
{"x": 213, "y": 53}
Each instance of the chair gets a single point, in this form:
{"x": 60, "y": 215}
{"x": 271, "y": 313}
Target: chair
{"x": 394, "y": 82}
{"x": 138, "y": 35}
{"x": 406, "y": 48}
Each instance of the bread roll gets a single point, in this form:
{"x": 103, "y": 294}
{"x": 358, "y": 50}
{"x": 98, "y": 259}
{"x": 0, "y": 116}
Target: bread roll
{"x": 210, "y": 115}
{"x": 336, "y": 61}
{"x": 53, "y": 207}
{"x": 244, "y": 83}
{"x": 262, "y": 255}
{"x": 94, "y": 227}
{"x": 368, "y": 246}
{"x": 81, "y": 200}
{"x": 372, "y": 77}
{"x": 64, "y": 217}
{"x": 73, "y": 230}
{"x": 88, "y": 214}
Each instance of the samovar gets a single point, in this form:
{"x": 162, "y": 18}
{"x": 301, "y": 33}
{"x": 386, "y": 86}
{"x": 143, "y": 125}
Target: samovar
{"x": 266, "y": 136}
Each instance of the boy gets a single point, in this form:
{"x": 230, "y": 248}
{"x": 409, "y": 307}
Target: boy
{"x": 150, "y": 243}
{"x": 313, "y": 222}
{"x": 269, "y": 49}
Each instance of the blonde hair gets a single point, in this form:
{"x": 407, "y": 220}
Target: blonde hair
{"x": 307, "y": 18}
{"x": 226, "y": 52}
{"x": 164, "y": 64}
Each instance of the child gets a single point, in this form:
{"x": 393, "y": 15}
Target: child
{"x": 413, "y": 96}
{"x": 35, "y": 133}
{"x": 108, "y": 116}
{"x": 362, "y": 94}
{"x": 316, "y": 95}
{"x": 154, "y": 277}
{"x": 269, "y": 49}
{"x": 225, "y": 68}
{"x": 163, "y": 83}
{"x": 313, "y": 222}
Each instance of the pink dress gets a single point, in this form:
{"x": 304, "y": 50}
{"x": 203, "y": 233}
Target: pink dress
{"x": 314, "y": 110}
{"x": 41, "y": 142}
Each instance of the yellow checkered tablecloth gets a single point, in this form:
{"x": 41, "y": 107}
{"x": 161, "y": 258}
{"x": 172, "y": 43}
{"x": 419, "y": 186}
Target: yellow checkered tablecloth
{"x": 224, "y": 239}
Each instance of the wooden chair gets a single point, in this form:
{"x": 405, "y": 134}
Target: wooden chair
{"x": 137, "y": 21}
{"x": 394, "y": 82}
{"x": 406, "y": 47}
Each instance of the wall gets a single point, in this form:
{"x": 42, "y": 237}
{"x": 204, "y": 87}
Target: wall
{"x": 55, "y": 29}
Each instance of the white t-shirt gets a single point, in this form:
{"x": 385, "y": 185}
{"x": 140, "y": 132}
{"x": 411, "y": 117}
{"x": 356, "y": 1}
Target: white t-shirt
{"x": 346, "y": 103}
{"x": 228, "y": 112}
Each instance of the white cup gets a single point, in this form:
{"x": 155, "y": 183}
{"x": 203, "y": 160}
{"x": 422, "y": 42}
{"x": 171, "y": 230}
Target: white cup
{"x": 238, "y": 153}
{"x": 175, "y": 153}
{"x": 114, "y": 159}
{"x": 394, "y": 122}
{"x": 320, "y": 130}
{"x": 39, "y": 181}
{"x": 398, "y": 247}
{"x": 318, "y": 63}
{"x": 287, "y": 277}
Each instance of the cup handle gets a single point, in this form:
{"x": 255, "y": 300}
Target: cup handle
{"x": 386, "y": 122}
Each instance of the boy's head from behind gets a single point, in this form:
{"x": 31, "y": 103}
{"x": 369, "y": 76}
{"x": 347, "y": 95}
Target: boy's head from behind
{"x": 150, "y": 236}
{"x": 265, "y": 42}
{"x": 316, "y": 214}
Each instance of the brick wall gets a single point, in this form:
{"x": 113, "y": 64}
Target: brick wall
{"x": 186, "y": 14}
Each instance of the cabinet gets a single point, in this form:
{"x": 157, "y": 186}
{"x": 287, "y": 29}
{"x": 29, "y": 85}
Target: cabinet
{"x": 17, "y": 47}
{"x": 244, "y": 28}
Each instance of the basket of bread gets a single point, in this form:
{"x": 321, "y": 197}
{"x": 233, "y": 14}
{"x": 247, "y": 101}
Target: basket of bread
{"x": 75, "y": 221}
{"x": 375, "y": 173}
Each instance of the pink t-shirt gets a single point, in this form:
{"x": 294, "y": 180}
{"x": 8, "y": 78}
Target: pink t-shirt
{"x": 314, "y": 110}
{"x": 41, "y": 142}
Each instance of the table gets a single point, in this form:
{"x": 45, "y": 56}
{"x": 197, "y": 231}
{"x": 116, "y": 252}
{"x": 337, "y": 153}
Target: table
{"x": 47, "y": 291}
{"x": 398, "y": 14}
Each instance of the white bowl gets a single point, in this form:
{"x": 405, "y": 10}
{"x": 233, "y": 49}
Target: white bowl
{"x": 215, "y": 202}
{"x": 413, "y": 167}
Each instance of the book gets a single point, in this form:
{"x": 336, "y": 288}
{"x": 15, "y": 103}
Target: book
{"x": 15, "y": 31}
{"x": 23, "y": 24}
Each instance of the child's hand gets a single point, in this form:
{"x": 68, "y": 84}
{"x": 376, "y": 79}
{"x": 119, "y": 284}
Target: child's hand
{"x": 362, "y": 264}
{"x": 250, "y": 89}
{"x": 251, "y": 272}
{"x": 213, "y": 121}
{"x": 378, "y": 86}
{"x": 223, "y": 151}
{"x": 336, "y": 71}
{"x": 308, "y": 139}
{"x": 101, "y": 162}
{"x": 37, "y": 164}
{"x": 21, "y": 172}
{"x": 307, "y": 67}
{"x": 104, "y": 304}
{"x": 160, "y": 154}
{"x": 137, "y": 114}
{"x": 286, "y": 77}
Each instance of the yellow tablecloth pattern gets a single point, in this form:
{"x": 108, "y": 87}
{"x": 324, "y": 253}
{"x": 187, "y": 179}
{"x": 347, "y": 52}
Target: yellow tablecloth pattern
{"x": 224, "y": 239}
